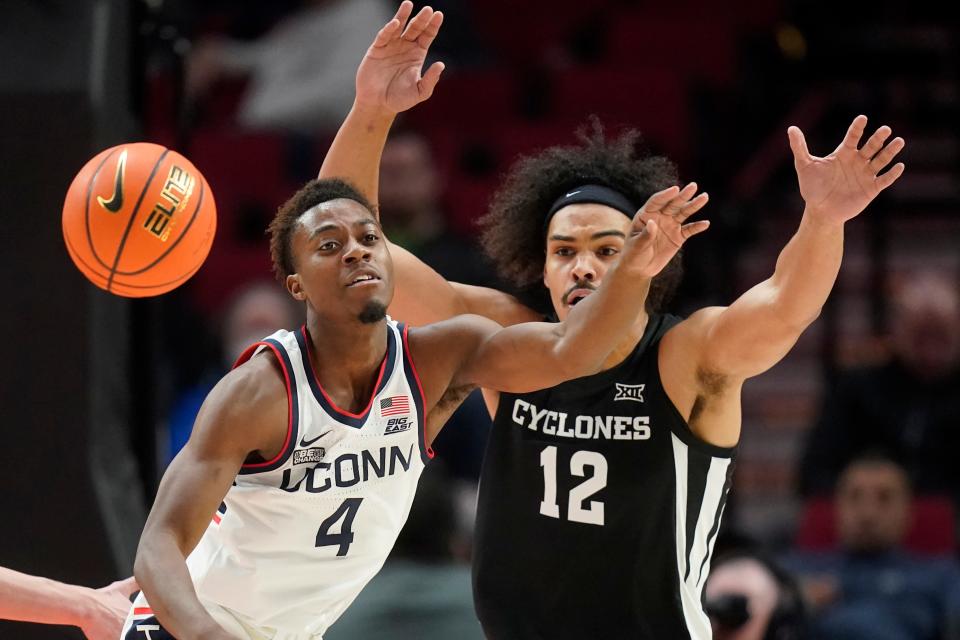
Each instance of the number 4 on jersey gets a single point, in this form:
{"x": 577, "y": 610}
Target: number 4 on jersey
{"x": 347, "y": 511}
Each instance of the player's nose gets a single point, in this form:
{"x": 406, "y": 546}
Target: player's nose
{"x": 584, "y": 269}
{"x": 356, "y": 251}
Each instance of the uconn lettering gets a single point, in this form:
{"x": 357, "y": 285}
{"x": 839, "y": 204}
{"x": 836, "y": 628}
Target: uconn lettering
{"x": 348, "y": 469}
{"x": 580, "y": 427}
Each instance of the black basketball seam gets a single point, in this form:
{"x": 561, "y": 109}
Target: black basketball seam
{"x": 86, "y": 208}
{"x": 189, "y": 273}
{"x": 182, "y": 278}
{"x": 75, "y": 255}
{"x": 175, "y": 242}
{"x": 133, "y": 217}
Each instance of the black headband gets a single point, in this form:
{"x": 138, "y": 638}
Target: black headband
{"x": 595, "y": 194}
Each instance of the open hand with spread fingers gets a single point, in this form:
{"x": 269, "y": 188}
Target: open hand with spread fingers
{"x": 660, "y": 228}
{"x": 389, "y": 77}
{"x": 839, "y": 186}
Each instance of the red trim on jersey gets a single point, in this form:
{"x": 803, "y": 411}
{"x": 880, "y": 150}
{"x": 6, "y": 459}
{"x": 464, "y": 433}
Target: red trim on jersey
{"x": 333, "y": 405}
{"x": 216, "y": 518}
{"x": 246, "y": 355}
{"x": 416, "y": 376}
{"x": 142, "y": 611}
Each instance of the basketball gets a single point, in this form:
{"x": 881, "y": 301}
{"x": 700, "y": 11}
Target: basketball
{"x": 139, "y": 220}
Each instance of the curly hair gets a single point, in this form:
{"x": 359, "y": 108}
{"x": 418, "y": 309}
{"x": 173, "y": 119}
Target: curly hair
{"x": 310, "y": 195}
{"x": 512, "y": 231}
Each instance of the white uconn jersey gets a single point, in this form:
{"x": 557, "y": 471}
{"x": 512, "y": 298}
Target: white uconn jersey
{"x": 299, "y": 536}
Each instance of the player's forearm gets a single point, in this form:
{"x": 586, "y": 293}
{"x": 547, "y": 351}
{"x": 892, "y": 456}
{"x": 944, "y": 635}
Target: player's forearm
{"x": 806, "y": 271}
{"x": 161, "y": 572}
{"x": 34, "y": 599}
{"x": 356, "y": 150}
{"x": 597, "y": 324}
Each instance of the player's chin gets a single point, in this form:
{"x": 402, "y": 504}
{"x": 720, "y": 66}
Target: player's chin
{"x": 373, "y": 311}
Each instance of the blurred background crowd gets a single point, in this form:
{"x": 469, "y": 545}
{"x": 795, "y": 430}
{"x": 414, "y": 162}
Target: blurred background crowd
{"x": 847, "y": 488}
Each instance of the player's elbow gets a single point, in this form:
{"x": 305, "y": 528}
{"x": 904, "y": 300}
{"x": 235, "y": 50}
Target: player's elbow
{"x": 141, "y": 565}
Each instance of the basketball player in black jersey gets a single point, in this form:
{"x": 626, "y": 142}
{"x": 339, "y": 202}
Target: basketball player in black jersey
{"x": 600, "y": 498}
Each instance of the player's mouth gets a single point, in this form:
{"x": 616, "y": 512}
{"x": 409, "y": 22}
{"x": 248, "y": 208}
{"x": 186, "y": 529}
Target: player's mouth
{"x": 572, "y": 297}
{"x": 363, "y": 278}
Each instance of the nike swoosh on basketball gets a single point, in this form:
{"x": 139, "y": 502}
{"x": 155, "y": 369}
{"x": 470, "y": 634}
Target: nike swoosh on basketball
{"x": 306, "y": 443}
{"x": 115, "y": 203}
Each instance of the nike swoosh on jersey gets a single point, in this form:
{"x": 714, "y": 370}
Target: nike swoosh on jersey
{"x": 115, "y": 203}
{"x": 306, "y": 443}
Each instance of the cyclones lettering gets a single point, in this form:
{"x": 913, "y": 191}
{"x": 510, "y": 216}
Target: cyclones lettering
{"x": 581, "y": 427}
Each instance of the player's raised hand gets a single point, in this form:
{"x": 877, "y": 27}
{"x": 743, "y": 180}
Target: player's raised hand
{"x": 389, "y": 77}
{"x": 660, "y": 228}
{"x": 839, "y": 186}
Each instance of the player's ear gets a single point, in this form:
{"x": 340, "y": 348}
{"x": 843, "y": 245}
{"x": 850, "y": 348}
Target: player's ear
{"x": 295, "y": 287}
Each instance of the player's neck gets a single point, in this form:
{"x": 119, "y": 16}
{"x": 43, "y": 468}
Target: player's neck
{"x": 629, "y": 342}
{"x": 346, "y": 355}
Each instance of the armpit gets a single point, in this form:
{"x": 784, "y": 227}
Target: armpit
{"x": 452, "y": 398}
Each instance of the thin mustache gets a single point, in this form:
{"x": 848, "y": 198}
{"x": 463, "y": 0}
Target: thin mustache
{"x": 580, "y": 285}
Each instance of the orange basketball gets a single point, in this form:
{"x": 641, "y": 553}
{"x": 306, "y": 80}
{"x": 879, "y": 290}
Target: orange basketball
{"x": 139, "y": 220}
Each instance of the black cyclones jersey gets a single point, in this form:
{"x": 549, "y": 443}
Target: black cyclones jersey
{"x": 598, "y": 510}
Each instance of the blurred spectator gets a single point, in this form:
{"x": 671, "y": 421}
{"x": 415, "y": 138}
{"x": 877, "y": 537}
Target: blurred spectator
{"x": 301, "y": 73}
{"x": 424, "y": 589}
{"x": 256, "y": 311}
{"x": 413, "y": 218}
{"x": 870, "y": 588}
{"x": 748, "y": 597}
{"x": 909, "y": 407}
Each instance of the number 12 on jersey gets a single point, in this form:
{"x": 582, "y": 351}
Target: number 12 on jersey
{"x": 579, "y": 461}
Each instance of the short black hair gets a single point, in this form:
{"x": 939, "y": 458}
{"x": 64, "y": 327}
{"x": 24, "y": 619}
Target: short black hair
{"x": 512, "y": 231}
{"x": 310, "y": 195}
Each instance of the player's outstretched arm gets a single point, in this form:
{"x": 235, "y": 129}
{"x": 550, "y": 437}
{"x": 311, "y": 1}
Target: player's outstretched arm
{"x": 761, "y": 326}
{"x": 98, "y": 612}
{"x": 240, "y": 416}
{"x": 389, "y": 81}
{"x": 536, "y": 355}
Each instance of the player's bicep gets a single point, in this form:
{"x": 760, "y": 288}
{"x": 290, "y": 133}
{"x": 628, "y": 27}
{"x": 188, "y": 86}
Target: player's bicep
{"x": 746, "y": 338}
{"x": 239, "y": 417}
{"x": 190, "y": 492}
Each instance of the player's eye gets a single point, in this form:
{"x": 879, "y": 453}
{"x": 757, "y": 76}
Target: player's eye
{"x": 607, "y": 252}
{"x": 330, "y": 245}
{"x": 563, "y": 252}
{"x": 370, "y": 238}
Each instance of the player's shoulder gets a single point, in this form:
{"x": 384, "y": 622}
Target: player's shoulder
{"x": 439, "y": 349}
{"x": 258, "y": 387}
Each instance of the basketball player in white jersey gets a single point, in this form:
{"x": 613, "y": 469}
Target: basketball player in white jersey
{"x": 313, "y": 444}
{"x": 631, "y": 514}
